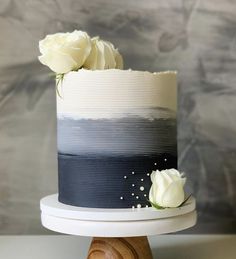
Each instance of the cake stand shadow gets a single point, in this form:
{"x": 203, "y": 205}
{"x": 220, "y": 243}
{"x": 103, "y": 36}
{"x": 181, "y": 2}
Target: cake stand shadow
{"x": 118, "y": 233}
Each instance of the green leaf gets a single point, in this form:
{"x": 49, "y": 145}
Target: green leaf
{"x": 59, "y": 79}
{"x": 185, "y": 201}
{"x": 156, "y": 206}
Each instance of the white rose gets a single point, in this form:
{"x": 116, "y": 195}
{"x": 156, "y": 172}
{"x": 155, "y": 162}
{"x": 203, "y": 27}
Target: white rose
{"x": 167, "y": 188}
{"x": 103, "y": 55}
{"x": 64, "y": 52}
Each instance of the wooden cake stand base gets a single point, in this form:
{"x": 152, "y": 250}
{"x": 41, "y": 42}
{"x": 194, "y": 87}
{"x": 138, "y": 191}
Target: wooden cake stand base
{"x": 118, "y": 233}
{"x": 120, "y": 248}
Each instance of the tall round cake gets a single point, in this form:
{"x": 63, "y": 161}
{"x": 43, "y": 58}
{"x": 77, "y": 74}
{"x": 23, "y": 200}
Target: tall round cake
{"x": 114, "y": 128}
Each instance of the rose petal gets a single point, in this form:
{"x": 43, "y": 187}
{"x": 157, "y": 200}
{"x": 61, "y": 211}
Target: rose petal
{"x": 58, "y": 62}
{"x": 173, "y": 195}
{"x": 109, "y": 55}
{"x": 119, "y": 61}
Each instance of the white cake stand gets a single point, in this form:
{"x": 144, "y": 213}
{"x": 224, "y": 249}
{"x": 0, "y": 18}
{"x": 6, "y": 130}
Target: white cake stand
{"x": 118, "y": 233}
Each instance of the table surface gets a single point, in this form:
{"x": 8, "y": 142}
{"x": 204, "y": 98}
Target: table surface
{"x": 75, "y": 247}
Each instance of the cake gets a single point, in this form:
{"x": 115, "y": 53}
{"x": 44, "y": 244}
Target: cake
{"x": 114, "y": 128}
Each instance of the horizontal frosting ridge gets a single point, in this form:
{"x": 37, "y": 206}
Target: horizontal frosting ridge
{"x": 116, "y": 91}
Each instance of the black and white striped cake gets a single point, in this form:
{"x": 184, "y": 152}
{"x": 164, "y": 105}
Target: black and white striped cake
{"x": 114, "y": 128}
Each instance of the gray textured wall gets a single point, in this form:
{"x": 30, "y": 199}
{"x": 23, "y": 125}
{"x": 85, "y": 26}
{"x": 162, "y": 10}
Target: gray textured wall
{"x": 197, "y": 38}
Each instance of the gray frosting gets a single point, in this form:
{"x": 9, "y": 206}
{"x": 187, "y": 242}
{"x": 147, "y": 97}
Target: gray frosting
{"x": 126, "y": 136}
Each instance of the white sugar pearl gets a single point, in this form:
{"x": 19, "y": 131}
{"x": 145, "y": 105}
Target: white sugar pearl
{"x": 139, "y": 206}
{"x": 145, "y": 195}
{"x": 133, "y": 207}
{"x": 147, "y": 206}
{"x": 125, "y": 177}
{"x": 155, "y": 163}
{"x": 137, "y": 197}
{"x": 132, "y": 172}
{"x": 141, "y": 188}
{"x": 141, "y": 180}
{"x": 122, "y": 198}
{"x": 148, "y": 174}
{"x": 133, "y": 184}
{"x": 165, "y": 159}
{"x": 132, "y": 194}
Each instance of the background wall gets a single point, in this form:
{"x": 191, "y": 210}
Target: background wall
{"x": 197, "y": 38}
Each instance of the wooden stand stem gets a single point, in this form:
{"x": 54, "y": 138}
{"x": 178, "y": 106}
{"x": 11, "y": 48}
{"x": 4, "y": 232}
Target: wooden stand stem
{"x": 120, "y": 248}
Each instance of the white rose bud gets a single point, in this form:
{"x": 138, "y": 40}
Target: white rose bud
{"x": 167, "y": 188}
{"x": 103, "y": 56}
{"x": 64, "y": 52}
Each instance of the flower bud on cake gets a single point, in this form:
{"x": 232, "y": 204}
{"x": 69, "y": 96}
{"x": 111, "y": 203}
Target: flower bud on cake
{"x": 167, "y": 190}
{"x": 64, "y": 52}
{"x": 103, "y": 55}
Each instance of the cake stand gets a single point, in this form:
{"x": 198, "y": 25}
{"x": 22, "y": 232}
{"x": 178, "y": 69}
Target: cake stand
{"x": 118, "y": 233}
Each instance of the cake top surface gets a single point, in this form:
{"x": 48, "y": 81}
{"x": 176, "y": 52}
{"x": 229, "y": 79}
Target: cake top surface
{"x": 121, "y": 79}
{"x": 123, "y": 71}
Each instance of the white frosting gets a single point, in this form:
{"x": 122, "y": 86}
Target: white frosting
{"x": 115, "y": 93}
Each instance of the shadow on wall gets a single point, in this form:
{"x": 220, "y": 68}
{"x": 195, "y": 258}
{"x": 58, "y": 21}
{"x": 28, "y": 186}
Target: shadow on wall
{"x": 28, "y": 147}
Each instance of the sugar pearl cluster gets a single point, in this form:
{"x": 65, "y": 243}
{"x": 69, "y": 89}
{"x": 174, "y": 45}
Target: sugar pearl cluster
{"x": 134, "y": 188}
{"x": 138, "y": 191}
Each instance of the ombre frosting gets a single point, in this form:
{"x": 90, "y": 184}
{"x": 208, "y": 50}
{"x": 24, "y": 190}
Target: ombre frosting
{"x": 114, "y": 127}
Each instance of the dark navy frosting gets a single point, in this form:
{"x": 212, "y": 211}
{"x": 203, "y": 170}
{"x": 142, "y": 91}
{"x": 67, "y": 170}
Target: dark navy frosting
{"x": 108, "y": 181}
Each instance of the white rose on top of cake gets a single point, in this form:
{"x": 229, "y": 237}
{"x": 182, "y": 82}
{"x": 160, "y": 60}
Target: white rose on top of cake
{"x": 115, "y": 127}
